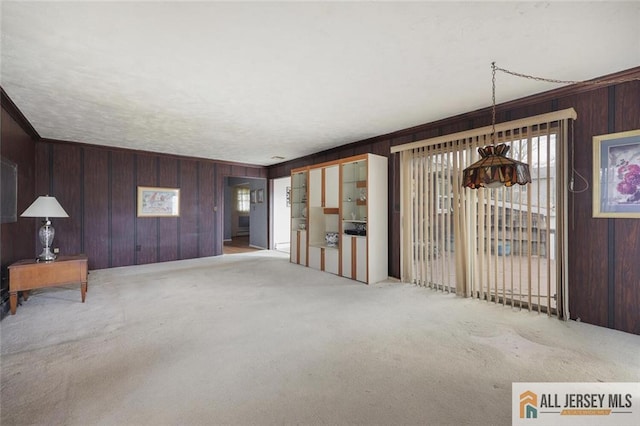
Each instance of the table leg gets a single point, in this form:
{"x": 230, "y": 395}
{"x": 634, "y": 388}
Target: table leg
{"x": 13, "y": 301}
{"x": 83, "y": 290}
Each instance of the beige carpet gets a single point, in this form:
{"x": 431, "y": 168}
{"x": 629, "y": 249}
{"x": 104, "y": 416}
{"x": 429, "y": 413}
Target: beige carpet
{"x": 252, "y": 339}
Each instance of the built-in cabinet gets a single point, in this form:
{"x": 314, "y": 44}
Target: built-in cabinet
{"x": 346, "y": 225}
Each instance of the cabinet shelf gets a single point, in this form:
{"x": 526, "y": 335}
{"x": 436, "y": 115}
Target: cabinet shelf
{"x": 324, "y": 246}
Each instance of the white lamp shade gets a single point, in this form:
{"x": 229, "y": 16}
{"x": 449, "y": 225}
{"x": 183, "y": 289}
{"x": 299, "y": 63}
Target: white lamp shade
{"x": 45, "y": 206}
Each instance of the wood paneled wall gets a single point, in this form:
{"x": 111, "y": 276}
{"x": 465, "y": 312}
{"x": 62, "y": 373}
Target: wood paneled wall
{"x": 604, "y": 265}
{"x": 17, "y": 145}
{"x": 97, "y": 186}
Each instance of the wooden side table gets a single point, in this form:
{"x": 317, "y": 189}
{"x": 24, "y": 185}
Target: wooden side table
{"x": 25, "y": 275}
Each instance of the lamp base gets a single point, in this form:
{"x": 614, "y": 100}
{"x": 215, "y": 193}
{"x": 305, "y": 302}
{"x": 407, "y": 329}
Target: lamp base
{"x": 46, "y": 234}
{"x": 47, "y": 255}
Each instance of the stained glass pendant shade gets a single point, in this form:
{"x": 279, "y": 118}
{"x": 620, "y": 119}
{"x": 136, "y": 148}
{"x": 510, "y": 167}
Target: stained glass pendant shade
{"x": 495, "y": 169}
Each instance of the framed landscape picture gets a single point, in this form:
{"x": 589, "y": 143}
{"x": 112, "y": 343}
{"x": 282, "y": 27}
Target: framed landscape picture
{"x": 158, "y": 202}
{"x": 616, "y": 175}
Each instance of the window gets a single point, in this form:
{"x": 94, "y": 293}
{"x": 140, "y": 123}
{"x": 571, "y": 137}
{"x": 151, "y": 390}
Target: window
{"x": 242, "y": 199}
{"x": 503, "y": 245}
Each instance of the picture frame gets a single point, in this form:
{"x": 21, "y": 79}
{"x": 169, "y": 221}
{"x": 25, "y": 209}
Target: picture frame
{"x": 158, "y": 202}
{"x": 253, "y": 199}
{"x": 8, "y": 191}
{"x": 260, "y": 195}
{"x": 616, "y": 175}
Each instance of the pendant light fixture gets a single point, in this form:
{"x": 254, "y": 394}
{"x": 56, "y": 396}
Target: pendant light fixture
{"x": 495, "y": 169}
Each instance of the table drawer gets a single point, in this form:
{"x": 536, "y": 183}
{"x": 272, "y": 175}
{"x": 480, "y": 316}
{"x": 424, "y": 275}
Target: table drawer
{"x": 50, "y": 274}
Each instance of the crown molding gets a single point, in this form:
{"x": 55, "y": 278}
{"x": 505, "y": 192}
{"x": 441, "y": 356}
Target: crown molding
{"x": 15, "y": 113}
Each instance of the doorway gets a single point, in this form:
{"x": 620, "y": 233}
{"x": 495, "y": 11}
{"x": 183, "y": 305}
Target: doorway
{"x": 245, "y": 215}
{"x": 281, "y": 214}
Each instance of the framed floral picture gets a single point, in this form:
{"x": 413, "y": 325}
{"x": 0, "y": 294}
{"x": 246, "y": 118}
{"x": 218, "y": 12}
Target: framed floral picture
{"x": 616, "y": 175}
{"x": 158, "y": 202}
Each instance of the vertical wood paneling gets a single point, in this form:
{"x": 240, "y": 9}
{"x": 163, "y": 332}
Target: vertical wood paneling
{"x": 394, "y": 207}
{"x": 96, "y": 208}
{"x": 222, "y": 171}
{"x": 627, "y": 277}
{"x": 189, "y": 212}
{"x": 146, "y": 227}
{"x": 394, "y": 215}
{"x": 207, "y": 197}
{"x": 168, "y": 226}
{"x": 67, "y": 188}
{"x": 237, "y": 170}
{"x": 382, "y": 148}
{"x": 252, "y": 172}
{"x": 627, "y": 231}
{"x": 587, "y": 236}
{"x": 277, "y": 171}
{"x": 528, "y": 111}
{"x": 461, "y": 126}
{"x": 421, "y": 135}
{"x": 362, "y": 149}
{"x": 123, "y": 208}
{"x": 43, "y": 169}
{"x": 627, "y": 115}
{"x": 333, "y": 155}
{"x": 18, "y": 238}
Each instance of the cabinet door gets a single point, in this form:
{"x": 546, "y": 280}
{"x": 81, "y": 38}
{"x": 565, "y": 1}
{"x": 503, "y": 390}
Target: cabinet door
{"x": 332, "y": 186}
{"x": 315, "y": 255}
{"x": 293, "y": 255}
{"x": 346, "y": 256}
{"x": 331, "y": 260}
{"x": 315, "y": 188}
{"x": 361, "y": 259}
{"x": 303, "y": 248}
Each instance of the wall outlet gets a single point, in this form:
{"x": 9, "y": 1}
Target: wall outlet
{"x": 56, "y": 250}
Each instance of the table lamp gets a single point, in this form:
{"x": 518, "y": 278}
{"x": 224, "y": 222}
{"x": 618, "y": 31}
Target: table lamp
{"x": 46, "y": 207}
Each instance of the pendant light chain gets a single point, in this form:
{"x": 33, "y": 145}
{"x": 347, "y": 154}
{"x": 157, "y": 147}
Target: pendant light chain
{"x": 553, "y": 80}
{"x": 493, "y": 103}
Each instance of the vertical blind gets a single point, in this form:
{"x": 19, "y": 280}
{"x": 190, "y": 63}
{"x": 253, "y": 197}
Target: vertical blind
{"x": 505, "y": 245}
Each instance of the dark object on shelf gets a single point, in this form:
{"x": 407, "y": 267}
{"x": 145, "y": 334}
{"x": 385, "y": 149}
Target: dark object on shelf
{"x": 361, "y": 232}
